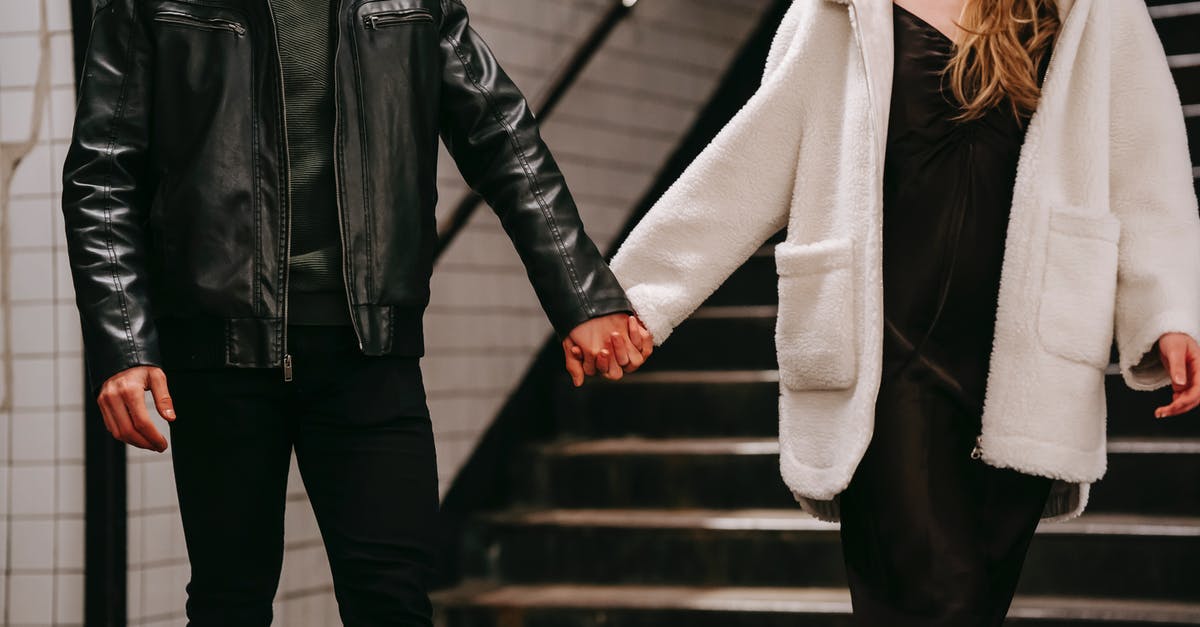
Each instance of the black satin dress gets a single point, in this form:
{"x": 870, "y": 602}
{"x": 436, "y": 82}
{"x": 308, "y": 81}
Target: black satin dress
{"x": 931, "y": 536}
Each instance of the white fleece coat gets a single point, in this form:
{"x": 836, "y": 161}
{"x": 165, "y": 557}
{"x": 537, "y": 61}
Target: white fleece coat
{"x": 1103, "y": 240}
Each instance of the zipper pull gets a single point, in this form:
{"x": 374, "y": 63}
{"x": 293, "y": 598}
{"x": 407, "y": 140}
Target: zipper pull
{"x": 977, "y": 452}
{"x": 287, "y": 368}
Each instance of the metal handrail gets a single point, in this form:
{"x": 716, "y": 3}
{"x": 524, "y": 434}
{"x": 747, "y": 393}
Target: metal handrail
{"x": 559, "y": 87}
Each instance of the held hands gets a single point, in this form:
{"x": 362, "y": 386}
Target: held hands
{"x": 122, "y": 402}
{"x": 1181, "y": 357}
{"x": 611, "y": 345}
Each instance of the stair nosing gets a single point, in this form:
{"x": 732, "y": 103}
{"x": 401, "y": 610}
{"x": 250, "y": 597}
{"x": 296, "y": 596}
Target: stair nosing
{"x": 1176, "y": 61}
{"x": 1178, "y": 9}
{"x": 778, "y": 519}
{"x": 787, "y": 600}
{"x": 769, "y": 446}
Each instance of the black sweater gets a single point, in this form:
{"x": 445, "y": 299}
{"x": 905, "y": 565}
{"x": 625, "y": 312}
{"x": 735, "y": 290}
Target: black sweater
{"x": 316, "y": 291}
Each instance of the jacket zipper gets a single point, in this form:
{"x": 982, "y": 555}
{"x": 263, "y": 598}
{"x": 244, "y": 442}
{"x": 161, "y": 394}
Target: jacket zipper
{"x": 184, "y": 19}
{"x": 977, "y": 451}
{"x": 337, "y": 186}
{"x": 384, "y": 19}
{"x": 287, "y": 166}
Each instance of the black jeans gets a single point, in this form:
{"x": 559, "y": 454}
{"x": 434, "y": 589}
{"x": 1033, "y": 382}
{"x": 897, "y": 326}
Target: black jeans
{"x": 363, "y": 441}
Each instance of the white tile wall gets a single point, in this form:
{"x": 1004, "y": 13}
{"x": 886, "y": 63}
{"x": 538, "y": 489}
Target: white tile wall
{"x": 41, "y": 411}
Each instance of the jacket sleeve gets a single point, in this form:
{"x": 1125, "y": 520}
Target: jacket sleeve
{"x": 490, "y": 131}
{"x": 106, "y": 195}
{"x": 729, "y": 201}
{"x": 1158, "y": 276}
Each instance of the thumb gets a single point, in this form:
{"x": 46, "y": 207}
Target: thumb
{"x": 162, "y": 397}
{"x": 1175, "y": 358}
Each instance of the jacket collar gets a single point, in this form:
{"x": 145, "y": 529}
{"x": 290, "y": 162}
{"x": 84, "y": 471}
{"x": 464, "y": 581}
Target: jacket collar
{"x": 873, "y": 23}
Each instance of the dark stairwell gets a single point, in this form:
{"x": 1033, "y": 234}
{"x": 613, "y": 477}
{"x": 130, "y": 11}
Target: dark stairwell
{"x": 657, "y": 500}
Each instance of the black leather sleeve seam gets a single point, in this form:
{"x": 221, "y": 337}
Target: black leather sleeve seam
{"x": 519, "y": 152}
{"x": 118, "y": 115}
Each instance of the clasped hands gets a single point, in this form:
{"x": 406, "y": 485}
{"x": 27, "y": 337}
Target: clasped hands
{"x": 611, "y": 346}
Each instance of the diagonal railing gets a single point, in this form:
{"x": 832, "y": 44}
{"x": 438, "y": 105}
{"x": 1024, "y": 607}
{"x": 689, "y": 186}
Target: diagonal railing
{"x": 562, "y": 83}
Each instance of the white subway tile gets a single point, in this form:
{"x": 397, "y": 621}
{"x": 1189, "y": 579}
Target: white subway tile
{"x": 17, "y": 106}
{"x": 69, "y": 539}
{"x": 36, "y": 594}
{"x": 33, "y": 436}
{"x": 32, "y": 545}
{"x": 20, "y": 16}
{"x": 71, "y": 430}
{"x": 31, "y": 222}
{"x": 68, "y": 599}
{"x": 71, "y": 488}
{"x": 34, "y": 324}
{"x": 33, "y": 383}
{"x": 32, "y": 276}
{"x": 32, "y": 490}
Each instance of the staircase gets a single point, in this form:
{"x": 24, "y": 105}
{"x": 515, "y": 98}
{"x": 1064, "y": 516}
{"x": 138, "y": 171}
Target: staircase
{"x": 657, "y": 500}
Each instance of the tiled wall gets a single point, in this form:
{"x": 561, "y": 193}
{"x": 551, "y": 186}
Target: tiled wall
{"x": 611, "y": 135}
{"x": 41, "y": 391}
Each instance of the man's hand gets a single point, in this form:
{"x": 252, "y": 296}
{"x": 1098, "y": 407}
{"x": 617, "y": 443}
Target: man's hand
{"x": 621, "y": 345}
{"x": 122, "y": 402}
{"x": 1181, "y": 357}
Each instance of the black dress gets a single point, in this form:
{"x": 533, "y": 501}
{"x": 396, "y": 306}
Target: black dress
{"x": 930, "y": 535}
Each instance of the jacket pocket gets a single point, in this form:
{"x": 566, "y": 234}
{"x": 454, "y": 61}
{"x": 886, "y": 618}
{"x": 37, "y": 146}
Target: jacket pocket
{"x": 814, "y": 333}
{"x": 1079, "y": 289}
{"x": 399, "y": 17}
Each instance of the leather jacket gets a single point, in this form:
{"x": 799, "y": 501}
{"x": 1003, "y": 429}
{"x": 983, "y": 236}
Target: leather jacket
{"x": 176, "y": 197}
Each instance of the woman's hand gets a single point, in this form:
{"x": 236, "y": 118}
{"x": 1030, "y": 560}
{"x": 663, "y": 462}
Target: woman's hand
{"x": 624, "y": 352}
{"x": 1181, "y": 357}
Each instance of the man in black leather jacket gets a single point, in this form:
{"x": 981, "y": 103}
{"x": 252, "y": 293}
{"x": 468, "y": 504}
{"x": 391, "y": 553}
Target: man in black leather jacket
{"x": 249, "y": 203}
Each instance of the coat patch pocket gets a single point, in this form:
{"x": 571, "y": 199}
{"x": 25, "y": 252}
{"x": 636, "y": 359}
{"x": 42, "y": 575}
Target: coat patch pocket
{"x": 814, "y": 333}
{"x": 1079, "y": 290}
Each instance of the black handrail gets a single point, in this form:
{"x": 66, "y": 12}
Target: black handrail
{"x": 562, "y": 84}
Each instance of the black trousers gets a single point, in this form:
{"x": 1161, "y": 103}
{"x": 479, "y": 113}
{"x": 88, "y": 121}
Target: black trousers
{"x": 361, "y": 433}
{"x": 930, "y": 536}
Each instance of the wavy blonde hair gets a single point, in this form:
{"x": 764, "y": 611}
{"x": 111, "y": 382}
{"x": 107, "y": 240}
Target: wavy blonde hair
{"x": 996, "y": 63}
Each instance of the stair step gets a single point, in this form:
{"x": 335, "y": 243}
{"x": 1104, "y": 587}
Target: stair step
{"x": 1177, "y": 26}
{"x": 476, "y": 604}
{"x": 705, "y": 403}
{"x": 1120, "y": 556}
{"x": 744, "y": 472}
{"x": 754, "y": 283}
{"x": 686, "y": 403}
{"x": 720, "y": 338}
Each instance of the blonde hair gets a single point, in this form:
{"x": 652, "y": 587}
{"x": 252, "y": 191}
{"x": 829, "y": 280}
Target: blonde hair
{"x": 996, "y": 63}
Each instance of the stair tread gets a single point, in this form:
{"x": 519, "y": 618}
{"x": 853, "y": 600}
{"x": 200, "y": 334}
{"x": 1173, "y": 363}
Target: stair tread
{"x": 770, "y": 446}
{"x": 1178, "y": 9}
{"x": 1103, "y": 523}
{"x": 781, "y": 599}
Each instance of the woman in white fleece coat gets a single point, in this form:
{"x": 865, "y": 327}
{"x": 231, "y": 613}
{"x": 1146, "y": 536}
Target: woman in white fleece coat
{"x": 1100, "y": 239}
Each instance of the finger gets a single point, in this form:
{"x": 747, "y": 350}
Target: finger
{"x": 615, "y": 370}
{"x": 1182, "y": 404}
{"x": 647, "y": 340}
{"x": 162, "y": 396}
{"x": 124, "y": 426}
{"x": 574, "y": 366}
{"x": 635, "y": 358}
{"x": 102, "y": 402}
{"x": 135, "y": 402}
{"x": 620, "y": 350}
{"x": 603, "y": 361}
{"x": 635, "y": 336}
{"x": 1176, "y": 358}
